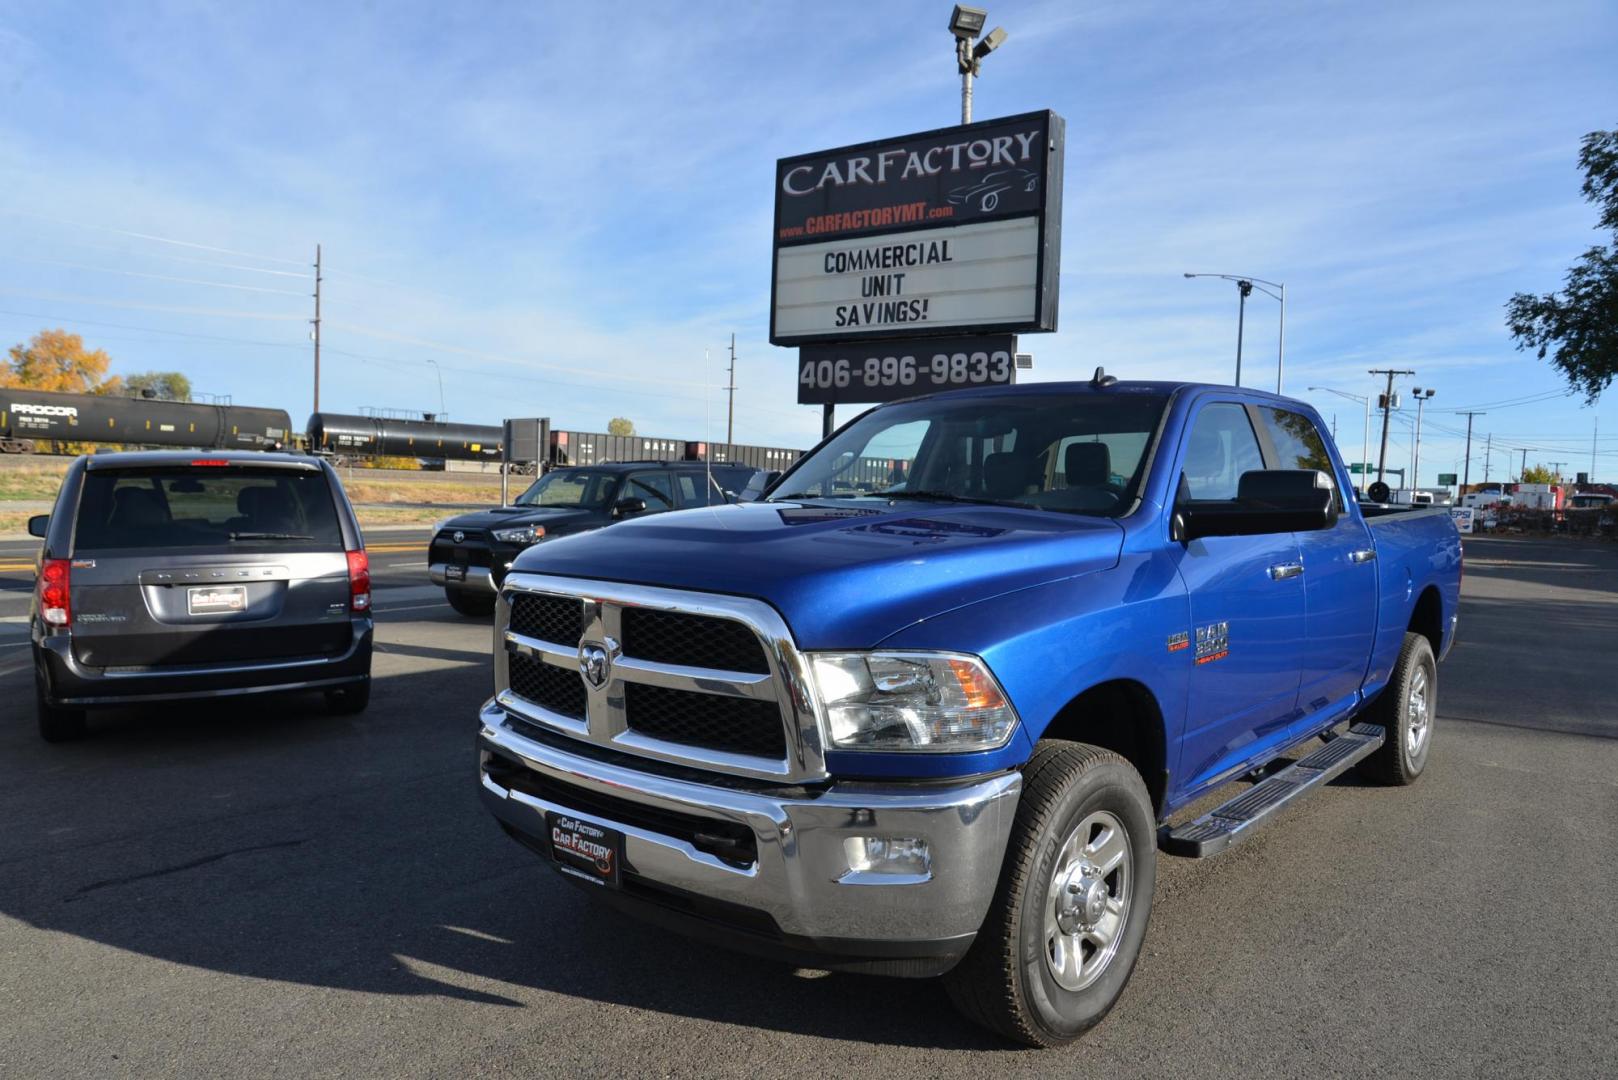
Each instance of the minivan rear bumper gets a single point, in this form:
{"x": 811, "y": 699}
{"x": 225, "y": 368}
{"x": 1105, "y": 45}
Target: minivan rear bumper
{"x": 70, "y": 683}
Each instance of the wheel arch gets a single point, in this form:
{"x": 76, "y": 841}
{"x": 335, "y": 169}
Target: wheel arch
{"x": 1427, "y": 618}
{"x": 1121, "y": 715}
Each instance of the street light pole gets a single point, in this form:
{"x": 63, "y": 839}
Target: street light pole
{"x": 1244, "y": 287}
{"x": 440, "y": 371}
{"x": 1422, "y": 398}
{"x": 1365, "y": 443}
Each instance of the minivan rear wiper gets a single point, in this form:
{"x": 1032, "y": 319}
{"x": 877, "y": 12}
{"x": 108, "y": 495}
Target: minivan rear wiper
{"x": 269, "y": 536}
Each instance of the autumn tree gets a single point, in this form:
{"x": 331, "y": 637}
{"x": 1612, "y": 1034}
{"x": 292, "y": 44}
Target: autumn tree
{"x": 58, "y": 360}
{"x": 1578, "y": 327}
{"x": 618, "y": 425}
{"x": 1537, "y": 474}
{"x": 167, "y": 385}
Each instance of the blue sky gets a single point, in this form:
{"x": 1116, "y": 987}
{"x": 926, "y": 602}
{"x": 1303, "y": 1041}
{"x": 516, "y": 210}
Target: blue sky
{"x": 565, "y": 217}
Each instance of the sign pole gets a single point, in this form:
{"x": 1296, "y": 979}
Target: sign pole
{"x": 828, "y": 420}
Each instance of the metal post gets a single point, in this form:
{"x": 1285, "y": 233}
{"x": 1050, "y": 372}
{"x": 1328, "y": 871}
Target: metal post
{"x": 828, "y": 420}
{"x": 1281, "y": 346}
{"x": 1365, "y": 446}
{"x": 317, "y": 328}
{"x": 1242, "y": 289}
{"x": 730, "y": 408}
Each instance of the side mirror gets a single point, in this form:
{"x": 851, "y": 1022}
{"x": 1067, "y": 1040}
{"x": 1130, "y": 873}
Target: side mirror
{"x": 631, "y": 505}
{"x": 38, "y": 524}
{"x": 1267, "y": 501}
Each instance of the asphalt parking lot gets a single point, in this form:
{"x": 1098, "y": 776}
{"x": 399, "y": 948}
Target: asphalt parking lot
{"x": 263, "y": 890}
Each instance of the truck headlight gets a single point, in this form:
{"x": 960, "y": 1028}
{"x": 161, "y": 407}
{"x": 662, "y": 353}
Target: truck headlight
{"x": 939, "y": 702}
{"x": 522, "y": 534}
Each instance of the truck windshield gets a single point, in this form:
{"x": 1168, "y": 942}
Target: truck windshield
{"x": 1076, "y": 453}
{"x": 580, "y": 488}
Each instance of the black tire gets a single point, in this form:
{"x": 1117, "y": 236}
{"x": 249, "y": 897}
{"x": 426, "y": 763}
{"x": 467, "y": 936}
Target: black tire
{"x": 56, "y": 724}
{"x": 1401, "y": 758}
{"x": 349, "y": 700}
{"x": 468, "y": 602}
{"x": 1005, "y": 982}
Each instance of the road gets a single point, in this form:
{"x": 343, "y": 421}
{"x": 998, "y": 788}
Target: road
{"x": 267, "y": 891}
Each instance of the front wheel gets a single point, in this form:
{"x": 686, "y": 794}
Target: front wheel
{"x": 471, "y": 603}
{"x": 1070, "y": 912}
{"x": 1406, "y": 709}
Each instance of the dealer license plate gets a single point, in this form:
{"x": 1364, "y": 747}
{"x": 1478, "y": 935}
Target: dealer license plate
{"x": 453, "y": 572}
{"x": 216, "y": 599}
{"x": 586, "y": 850}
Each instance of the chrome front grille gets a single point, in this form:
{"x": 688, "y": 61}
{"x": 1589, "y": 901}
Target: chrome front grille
{"x": 692, "y": 678}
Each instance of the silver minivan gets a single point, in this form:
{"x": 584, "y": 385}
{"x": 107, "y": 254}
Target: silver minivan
{"x": 172, "y": 575}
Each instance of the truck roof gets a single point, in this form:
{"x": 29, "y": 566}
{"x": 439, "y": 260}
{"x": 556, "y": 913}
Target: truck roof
{"x": 1120, "y": 386}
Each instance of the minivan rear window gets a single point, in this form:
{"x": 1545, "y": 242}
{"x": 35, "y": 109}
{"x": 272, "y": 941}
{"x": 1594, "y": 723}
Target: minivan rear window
{"x": 246, "y": 509}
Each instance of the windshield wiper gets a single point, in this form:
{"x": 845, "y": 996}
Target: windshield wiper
{"x": 946, "y": 496}
{"x": 269, "y": 536}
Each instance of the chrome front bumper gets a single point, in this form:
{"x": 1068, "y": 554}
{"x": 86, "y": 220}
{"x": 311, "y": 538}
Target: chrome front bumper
{"x": 477, "y": 577}
{"x": 801, "y": 876}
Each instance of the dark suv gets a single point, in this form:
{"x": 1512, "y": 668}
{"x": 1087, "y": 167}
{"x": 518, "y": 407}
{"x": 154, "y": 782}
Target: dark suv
{"x": 469, "y": 554}
{"x": 176, "y": 574}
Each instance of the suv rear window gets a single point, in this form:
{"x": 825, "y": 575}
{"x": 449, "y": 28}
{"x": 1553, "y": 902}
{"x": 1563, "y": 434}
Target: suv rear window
{"x": 248, "y": 509}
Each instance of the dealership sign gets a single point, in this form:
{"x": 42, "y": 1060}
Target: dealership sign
{"x": 944, "y": 231}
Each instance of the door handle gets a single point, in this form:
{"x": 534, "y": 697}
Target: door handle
{"x": 1365, "y": 555}
{"x": 1286, "y": 570}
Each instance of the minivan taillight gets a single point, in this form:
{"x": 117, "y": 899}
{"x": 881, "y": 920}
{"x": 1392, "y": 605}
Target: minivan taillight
{"x": 359, "y": 581}
{"x": 55, "y": 592}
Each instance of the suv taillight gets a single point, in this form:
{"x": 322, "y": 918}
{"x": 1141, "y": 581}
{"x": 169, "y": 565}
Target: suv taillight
{"x": 359, "y": 581}
{"x": 55, "y": 592}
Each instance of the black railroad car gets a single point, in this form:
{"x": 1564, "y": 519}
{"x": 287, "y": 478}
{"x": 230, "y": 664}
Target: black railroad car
{"x": 594, "y": 448}
{"x": 346, "y": 435}
{"x": 27, "y": 416}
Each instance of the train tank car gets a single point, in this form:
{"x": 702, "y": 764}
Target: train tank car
{"x": 29, "y": 416}
{"x": 368, "y": 436}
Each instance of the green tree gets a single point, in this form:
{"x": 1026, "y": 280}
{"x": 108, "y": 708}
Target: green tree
{"x": 1537, "y": 474}
{"x": 168, "y": 385}
{"x": 58, "y": 360}
{"x": 620, "y": 426}
{"x": 1578, "y": 327}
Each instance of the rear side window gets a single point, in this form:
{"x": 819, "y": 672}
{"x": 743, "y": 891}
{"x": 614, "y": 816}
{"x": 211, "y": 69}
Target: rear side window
{"x": 654, "y": 488}
{"x": 1222, "y": 448}
{"x": 242, "y": 509}
{"x": 1299, "y": 445}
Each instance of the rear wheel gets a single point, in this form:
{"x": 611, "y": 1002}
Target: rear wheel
{"x": 1069, "y": 915}
{"x": 1406, "y": 709}
{"x": 56, "y": 724}
{"x": 349, "y": 700}
{"x": 472, "y": 603}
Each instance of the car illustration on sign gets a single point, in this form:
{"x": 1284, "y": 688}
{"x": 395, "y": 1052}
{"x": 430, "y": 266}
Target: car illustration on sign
{"x": 985, "y": 193}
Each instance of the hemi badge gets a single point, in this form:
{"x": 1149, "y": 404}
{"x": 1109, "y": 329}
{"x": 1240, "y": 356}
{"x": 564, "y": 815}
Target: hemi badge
{"x": 1179, "y": 641}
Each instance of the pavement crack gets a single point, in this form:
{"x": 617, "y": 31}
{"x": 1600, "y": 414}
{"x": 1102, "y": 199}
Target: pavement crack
{"x": 181, "y": 867}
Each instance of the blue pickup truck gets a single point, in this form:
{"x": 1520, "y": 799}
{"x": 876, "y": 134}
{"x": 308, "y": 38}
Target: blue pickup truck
{"x": 935, "y": 704}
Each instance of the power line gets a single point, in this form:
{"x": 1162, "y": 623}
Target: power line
{"x": 185, "y": 259}
{"x": 69, "y": 298}
{"x": 150, "y": 277}
{"x": 159, "y": 239}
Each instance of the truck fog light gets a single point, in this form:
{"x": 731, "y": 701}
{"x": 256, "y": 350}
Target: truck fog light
{"x": 888, "y": 855}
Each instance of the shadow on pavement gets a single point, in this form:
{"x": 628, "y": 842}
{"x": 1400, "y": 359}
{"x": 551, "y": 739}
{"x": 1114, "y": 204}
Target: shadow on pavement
{"x": 268, "y": 840}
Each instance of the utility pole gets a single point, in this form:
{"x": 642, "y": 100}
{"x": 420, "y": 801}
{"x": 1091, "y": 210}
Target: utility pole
{"x": 1556, "y": 470}
{"x": 1387, "y": 407}
{"x": 1594, "y": 434}
{"x": 730, "y": 409}
{"x": 1466, "y": 473}
{"x": 1488, "y": 456}
{"x": 1524, "y": 468}
{"x": 317, "y": 328}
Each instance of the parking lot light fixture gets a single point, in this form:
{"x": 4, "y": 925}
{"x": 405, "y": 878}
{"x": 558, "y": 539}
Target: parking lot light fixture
{"x": 966, "y": 23}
